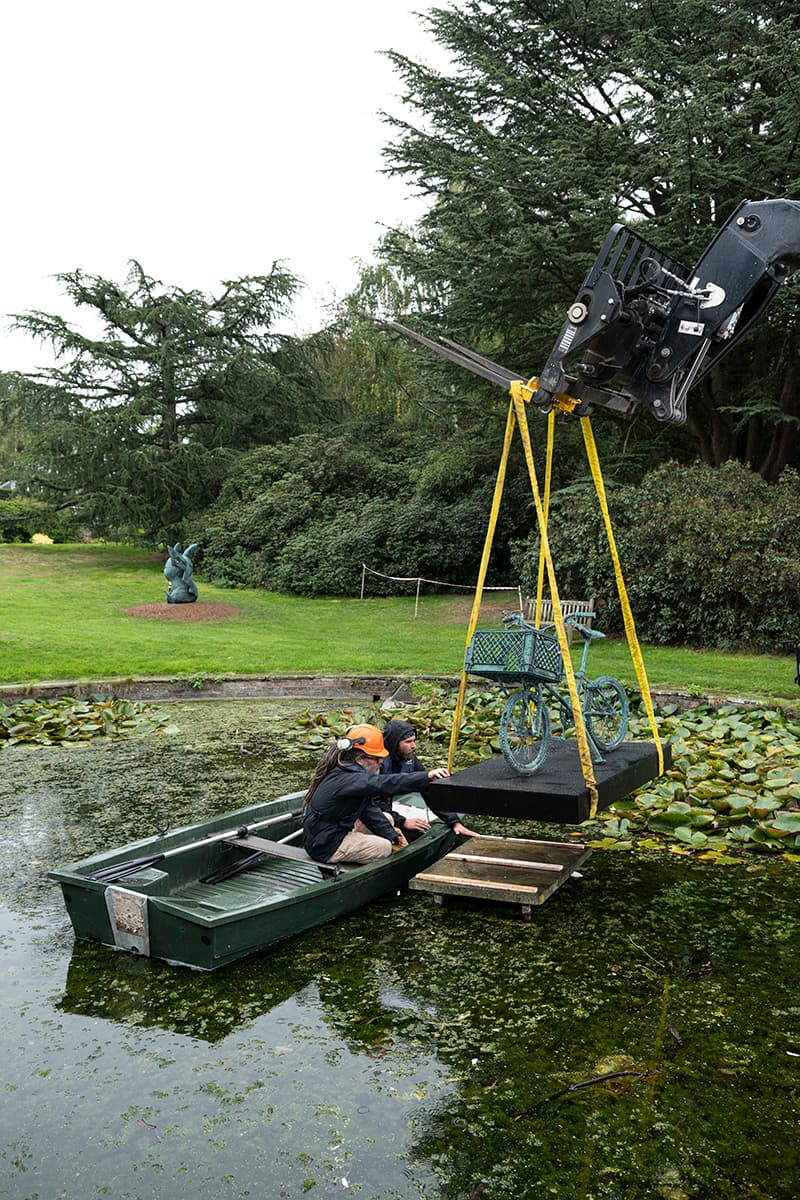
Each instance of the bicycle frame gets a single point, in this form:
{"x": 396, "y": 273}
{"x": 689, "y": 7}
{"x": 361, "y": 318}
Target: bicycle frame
{"x": 541, "y": 687}
{"x": 526, "y": 724}
{"x": 565, "y": 709}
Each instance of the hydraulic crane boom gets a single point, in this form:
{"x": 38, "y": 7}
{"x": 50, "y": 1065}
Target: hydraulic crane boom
{"x": 643, "y": 329}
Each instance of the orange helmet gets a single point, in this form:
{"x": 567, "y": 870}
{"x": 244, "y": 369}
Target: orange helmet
{"x": 366, "y": 738}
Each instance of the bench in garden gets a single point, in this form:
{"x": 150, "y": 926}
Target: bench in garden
{"x": 568, "y": 609}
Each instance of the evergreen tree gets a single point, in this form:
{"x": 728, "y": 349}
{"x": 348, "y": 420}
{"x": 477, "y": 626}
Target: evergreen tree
{"x": 12, "y": 432}
{"x": 361, "y": 370}
{"x": 135, "y": 427}
{"x": 559, "y": 117}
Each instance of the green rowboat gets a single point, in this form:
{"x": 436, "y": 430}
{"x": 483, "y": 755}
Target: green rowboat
{"x": 208, "y": 894}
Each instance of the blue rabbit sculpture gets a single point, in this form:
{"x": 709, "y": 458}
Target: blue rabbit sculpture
{"x": 178, "y": 571}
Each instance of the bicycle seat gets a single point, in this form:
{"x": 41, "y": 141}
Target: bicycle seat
{"x": 586, "y": 632}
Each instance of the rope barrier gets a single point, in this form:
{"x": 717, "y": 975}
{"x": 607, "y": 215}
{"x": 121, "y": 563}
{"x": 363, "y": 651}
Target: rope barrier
{"x": 419, "y": 579}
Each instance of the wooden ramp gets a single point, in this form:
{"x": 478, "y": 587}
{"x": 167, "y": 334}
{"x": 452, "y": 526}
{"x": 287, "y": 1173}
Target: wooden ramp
{"x": 511, "y": 870}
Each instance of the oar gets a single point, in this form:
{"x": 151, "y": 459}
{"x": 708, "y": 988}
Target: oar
{"x": 119, "y": 870}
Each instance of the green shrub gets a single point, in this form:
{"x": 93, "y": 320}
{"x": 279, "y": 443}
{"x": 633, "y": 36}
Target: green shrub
{"x": 710, "y": 556}
{"x": 63, "y": 525}
{"x": 304, "y": 517}
{"x": 21, "y": 517}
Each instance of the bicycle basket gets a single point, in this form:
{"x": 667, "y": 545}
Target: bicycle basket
{"x": 499, "y": 653}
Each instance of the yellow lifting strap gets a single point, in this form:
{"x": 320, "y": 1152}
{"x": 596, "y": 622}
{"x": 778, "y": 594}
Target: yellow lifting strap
{"x": 548, "y": 479}
{"x": 476, "y": 603}
{"x": 584, "y": 753}
{"x": 520, "y": 394}
{"x": 516, "y": 412}
{"x": 627, "y": 614}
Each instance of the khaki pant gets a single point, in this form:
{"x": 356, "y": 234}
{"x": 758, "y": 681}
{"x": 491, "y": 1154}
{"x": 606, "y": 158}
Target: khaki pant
{"x": 362, "y": 848}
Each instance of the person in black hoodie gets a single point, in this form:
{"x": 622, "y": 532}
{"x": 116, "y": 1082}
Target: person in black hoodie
{"x": 347, "y": 789}
{"x": 400, "y": 739}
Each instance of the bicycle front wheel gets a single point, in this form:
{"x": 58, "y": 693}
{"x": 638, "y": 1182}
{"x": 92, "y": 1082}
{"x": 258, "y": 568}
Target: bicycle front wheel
{"x": 605, "y": 710}
{"x": 525, "y": 731}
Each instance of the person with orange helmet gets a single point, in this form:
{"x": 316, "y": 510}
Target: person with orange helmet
{"x": 346, "y": 788}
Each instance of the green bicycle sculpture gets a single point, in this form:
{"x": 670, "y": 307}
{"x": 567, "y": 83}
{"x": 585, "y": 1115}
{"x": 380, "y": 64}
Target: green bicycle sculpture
{"x": 531, "y": 658}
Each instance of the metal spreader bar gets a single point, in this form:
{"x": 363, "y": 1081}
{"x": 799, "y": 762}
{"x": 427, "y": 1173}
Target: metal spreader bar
{"x": 509, "y": 376}
{"x": 460, "y": 356}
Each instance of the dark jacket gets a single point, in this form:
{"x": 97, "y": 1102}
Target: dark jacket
{"x": 394, "y": 733}
{"x": 348, "y": 794}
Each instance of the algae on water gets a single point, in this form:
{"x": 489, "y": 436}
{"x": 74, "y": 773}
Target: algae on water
{"x": 407, "y": 1051}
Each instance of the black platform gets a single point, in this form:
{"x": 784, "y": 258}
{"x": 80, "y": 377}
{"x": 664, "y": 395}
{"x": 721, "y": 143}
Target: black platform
{"x": 557, "y": 792}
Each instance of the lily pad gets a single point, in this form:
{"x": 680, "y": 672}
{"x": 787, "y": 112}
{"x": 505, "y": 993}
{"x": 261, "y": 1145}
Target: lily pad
{"x": 785, "y": 823}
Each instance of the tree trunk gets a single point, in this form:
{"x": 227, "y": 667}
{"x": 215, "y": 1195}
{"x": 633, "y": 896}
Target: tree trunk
{"x": 697, "y": 426}
{"x": 784, "y": 442}
{"x": 713, "y": 429}
{"x": 752, "y": 443}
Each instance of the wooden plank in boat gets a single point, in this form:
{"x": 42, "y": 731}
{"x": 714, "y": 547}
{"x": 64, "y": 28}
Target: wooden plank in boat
{"x": 277, "y": 849}
{"x": 280, "y": 850}
{"x": 512, "y": 870}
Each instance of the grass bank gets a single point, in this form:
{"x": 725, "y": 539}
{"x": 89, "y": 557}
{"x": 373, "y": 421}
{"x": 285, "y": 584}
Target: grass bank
{"x": 61, "y": 618}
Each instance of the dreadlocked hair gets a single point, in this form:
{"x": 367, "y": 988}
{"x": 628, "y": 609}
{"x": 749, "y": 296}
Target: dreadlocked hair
{"x": 333, "y": 757}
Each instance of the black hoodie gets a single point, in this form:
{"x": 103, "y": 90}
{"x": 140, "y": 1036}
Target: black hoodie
{"x": 394, "y": 733}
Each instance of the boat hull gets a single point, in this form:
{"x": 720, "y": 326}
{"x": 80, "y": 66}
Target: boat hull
{"x": 163, "y": 910}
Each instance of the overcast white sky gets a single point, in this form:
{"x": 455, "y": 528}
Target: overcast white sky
{"x": 203, "y": 139}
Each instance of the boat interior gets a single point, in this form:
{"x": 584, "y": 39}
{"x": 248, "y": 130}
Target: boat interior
{"x": 209, "y": 873}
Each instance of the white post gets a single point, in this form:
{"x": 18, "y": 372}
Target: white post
{"x": 416, "y": 602}
{"x": 363, "y": 577}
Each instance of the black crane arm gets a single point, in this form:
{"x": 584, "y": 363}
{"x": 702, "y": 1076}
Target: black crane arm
{"x": 644, "y": 329}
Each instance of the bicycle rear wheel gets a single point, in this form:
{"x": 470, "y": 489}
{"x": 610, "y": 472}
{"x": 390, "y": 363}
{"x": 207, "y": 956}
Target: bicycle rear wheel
{"x": 605, "y": 710}
{"x": 525, "y": 731}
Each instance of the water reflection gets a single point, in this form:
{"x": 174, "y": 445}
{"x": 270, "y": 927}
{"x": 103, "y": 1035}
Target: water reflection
{"x": 267, "y": 1079}
{"x": 118, "y": 987}
{"x": 354, "y": 998}
{"x": 407, "y": 1050}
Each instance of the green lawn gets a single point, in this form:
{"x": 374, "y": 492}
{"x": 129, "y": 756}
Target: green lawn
{"x": 61, "y": 619}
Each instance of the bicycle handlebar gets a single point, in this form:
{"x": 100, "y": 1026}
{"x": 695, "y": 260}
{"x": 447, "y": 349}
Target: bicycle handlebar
{"x": 572, "y": 620}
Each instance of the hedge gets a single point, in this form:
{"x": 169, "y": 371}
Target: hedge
{"x": 710, "y": 556}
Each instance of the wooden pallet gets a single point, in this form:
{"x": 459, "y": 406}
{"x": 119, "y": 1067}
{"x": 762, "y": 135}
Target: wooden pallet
{"x": 510, "y": 870}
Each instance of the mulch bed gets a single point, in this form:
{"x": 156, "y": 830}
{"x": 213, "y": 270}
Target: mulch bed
{"x": 201, "y": 610}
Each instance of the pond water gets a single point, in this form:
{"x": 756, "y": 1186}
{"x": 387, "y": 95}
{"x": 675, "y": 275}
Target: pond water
{"x": 406, "y": 1051}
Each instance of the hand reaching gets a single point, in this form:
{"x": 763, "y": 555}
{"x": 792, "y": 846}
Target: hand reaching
{"x": 439, "y": 773}
{"x": 462, "y": 829}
